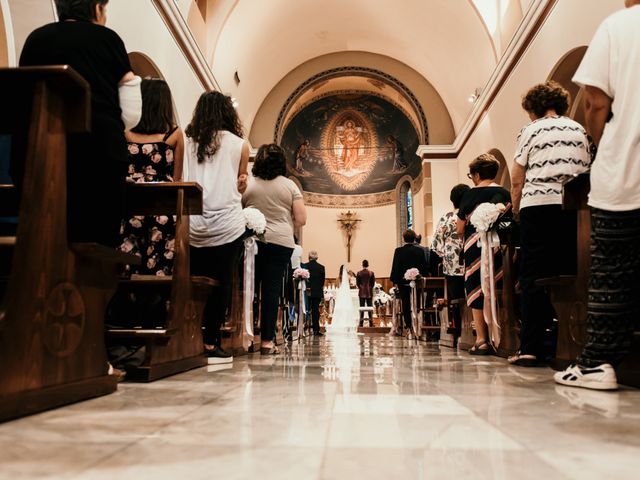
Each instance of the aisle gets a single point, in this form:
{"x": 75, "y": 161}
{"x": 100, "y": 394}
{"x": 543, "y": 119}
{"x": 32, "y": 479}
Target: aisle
{"x": 365, "y": 407}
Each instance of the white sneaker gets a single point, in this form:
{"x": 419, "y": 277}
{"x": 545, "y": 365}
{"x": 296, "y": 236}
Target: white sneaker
{"x": 602, "y": 377}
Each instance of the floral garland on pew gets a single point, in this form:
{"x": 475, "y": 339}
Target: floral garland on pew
{"x": 256, "y": 225}
{"x": 301, "y": 275}
{"x": 483, "y": 219}
{"x": 413, "y": 274}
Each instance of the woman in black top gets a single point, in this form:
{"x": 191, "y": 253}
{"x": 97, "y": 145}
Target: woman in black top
{"x": 482, "y": 171}
{"x": 96, "y": 161}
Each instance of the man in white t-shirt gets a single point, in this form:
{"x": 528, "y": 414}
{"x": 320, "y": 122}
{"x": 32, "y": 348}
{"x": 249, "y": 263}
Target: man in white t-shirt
{"x": 609, "y": 72}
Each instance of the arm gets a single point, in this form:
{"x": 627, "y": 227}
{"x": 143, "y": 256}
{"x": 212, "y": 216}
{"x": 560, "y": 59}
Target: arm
{"x": 460, "y": 227}
{"x": 517, "y": 182}
{"x": 127, "y": 77}
{"x": 299, "y": 213}
{"x": 242, "y": 169}
{"x": 178, "y": 156}
{"x": 598, "y": 106}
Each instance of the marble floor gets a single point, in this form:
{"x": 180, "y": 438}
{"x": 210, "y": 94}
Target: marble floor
{"x": 334, "y": 408}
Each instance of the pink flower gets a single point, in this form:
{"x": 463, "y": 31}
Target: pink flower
{"x": 162, "y": 219}
{"x": 134, "y": 149}
{"x": 169, "y": 155}
{"x": 156, "y": 157}
{"x": 301, "y": 273}
{"x": 147, "y": 148}
{"x": 411, "y": 274}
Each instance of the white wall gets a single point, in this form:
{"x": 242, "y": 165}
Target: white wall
{"x": 374, "y": 240}
{"x": 567, "y": 27}
{"x": 142, "y": 30}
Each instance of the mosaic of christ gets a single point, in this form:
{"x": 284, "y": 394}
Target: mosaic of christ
{"x": 351, "y": 144}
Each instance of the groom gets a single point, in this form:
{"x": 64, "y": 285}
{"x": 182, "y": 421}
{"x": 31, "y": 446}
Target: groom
{"x": 365, "y": 280}
{"x": 405, "y": 257}
{"x": 316, "y": 287}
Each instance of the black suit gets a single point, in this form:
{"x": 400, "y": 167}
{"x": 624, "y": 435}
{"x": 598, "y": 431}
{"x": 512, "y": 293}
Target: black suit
{"x": 405, "y": 257}
{"x": 316, "y": 294}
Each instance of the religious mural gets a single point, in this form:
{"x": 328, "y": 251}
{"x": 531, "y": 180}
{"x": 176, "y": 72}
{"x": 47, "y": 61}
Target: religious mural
{"x": 351, "y": 144}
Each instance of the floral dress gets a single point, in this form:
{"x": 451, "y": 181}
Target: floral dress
{"x": 150, "y": 237}
{"x": 448, "y": 245}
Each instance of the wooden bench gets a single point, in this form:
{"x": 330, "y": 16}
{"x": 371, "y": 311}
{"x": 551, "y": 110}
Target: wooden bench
{"x": 51, "y": 320}
{"x": 569, "y": 293}
{"x": 177, "y": 346}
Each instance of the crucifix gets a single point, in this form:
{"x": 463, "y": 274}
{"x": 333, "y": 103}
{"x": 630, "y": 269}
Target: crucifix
{"x": 348, "y": 222}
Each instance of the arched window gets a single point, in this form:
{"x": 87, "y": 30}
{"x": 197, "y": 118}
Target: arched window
{"x": 404, "y": 202}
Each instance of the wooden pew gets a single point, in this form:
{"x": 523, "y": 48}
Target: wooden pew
{"x": 569, "y": 293}
{"x": 428, "y": 313}
{"x": 177, "y": 346}
{"x": 52, "y": 348}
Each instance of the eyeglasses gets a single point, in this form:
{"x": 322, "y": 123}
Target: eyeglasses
{"x": 470, "y": 176}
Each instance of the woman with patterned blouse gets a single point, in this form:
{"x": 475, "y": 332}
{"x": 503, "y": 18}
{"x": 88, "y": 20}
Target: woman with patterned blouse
{"x": 448, "y": 245}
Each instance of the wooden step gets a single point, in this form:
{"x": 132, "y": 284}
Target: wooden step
{"x": 162, "y": 280}
{"x": 104, "y": 253}
{"x": 7, "y": 242}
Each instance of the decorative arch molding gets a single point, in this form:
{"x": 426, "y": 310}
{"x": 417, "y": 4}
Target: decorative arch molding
{"x": 504, "y": 176}
{"x": 352, "y": 71}
{"x": 563, "y": 72}
{"x": 7, "y": 43}
{"x": 142, "y": 65}
{"x": 403, "y": 186}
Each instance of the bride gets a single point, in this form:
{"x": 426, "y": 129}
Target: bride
{"x": 343, "y": 320}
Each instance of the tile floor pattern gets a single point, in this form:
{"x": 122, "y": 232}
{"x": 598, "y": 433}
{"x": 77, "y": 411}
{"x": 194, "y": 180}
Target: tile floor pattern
{"x": 334, "y": 408}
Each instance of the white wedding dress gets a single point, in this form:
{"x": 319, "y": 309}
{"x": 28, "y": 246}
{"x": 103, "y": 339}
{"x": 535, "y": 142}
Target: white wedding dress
{"x": 343, "y": 317}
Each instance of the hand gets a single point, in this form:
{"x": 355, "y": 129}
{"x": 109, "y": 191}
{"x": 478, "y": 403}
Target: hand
{"x": 242, "y": 182}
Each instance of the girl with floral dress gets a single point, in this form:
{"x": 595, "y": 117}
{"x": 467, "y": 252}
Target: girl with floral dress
{"x": 156, "y": 149}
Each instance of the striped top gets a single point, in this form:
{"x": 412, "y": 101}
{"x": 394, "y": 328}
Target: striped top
{"x": 552, "y": 149}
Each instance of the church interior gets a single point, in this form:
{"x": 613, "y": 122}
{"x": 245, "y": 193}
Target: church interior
{"x": 379, "y": 110}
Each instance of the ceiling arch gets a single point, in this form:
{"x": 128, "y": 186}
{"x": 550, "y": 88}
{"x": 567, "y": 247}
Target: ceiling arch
{"x": 445, "y": 41}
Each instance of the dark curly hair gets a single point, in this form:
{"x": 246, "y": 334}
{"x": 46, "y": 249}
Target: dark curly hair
{"x": 79, "y": 10}
{"x": 546, "y": 96}
{"x": 214, "y": 112}
{"x": 457, "y": 193}
{"x": 157, "y": 108}
{"x": 485, "y": 165}
{"x": 270, "y": 162}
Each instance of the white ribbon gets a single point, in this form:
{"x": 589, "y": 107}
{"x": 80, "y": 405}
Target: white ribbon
{"x": 414, "y": 308}
{"x": 489, "y": 240}
{"x": 250, "y": 252}
{"x": 302, "y": 286}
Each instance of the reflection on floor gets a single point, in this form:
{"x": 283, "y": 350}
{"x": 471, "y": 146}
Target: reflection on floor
{"x": 346, "y": 407}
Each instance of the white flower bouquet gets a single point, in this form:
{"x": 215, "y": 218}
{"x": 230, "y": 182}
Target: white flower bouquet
{"x": 411, "y": 274}
{"x": 255, "y": 221}
{"x": 485, "y": 215}
{"x": 301, "y": 274}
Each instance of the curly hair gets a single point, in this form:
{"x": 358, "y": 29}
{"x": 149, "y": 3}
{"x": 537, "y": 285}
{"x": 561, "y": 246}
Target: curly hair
{"x": 457, "y": 193}
{"x": 270, "y": 162}
{"x": 214, "y": 112}
{"x": 485, "y": 165}
{"x": 546, "y": 96}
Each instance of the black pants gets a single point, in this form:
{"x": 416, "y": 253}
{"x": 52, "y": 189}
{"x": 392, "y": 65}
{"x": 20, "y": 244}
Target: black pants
{"x": 405, "y": 297}
{"x": 543, "y": 254}
{"x": 218, "y": 263}
{"x": 365, "y": 302}
{"x": 614, "y": 286}
{"x": 314, "y": 306}
{"x": 271, "y": 265}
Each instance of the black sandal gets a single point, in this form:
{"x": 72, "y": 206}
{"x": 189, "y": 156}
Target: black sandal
{"x": 476, "y": 350}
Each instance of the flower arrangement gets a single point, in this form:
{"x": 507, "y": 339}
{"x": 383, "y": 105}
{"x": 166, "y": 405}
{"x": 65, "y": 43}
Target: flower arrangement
{"x": 412, "y": 274}
{"x": 485, "y": 215}
{"x": 301, "y": 274}
{"x": 255, "y": 221}
{"x": 381, "y": 299}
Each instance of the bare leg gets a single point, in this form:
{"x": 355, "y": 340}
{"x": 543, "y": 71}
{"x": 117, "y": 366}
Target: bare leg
{"x": 480, "y": 327}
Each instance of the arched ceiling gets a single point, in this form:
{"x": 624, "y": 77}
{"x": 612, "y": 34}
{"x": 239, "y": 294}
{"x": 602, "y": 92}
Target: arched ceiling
{"x": 446, "y": 41}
